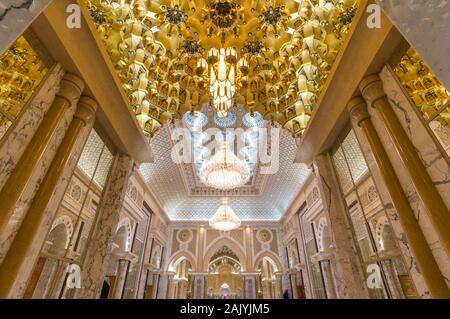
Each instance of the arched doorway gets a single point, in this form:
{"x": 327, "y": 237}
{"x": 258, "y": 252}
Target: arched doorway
{"x": 224, "y": 275}
{"x": 269, "y": 285}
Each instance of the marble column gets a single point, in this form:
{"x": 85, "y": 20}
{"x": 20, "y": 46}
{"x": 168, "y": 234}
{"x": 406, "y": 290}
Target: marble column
{"x": 15, "y": 142}
{"x": 170, "y": 285}
{"x": 346, "y": 264}
{"x": 436, "y": 163}
{"x": 250, "y": 285}
{"x": 183, "y": 283}
{"x": 374, "y": 94}
{"x": 17, "y": 263}
{"x": 431, "y": 272}
{"x": 161, "y": 286}
{"x": 58, "y": 280}
{"x": 425, "y": 26}
{"x": 95, "y": 262}
{"x": 293, "y": 283}
{"x": 265, "y": 285}
{"x": 325, "y": 264}
{"x": 392, "y": 279}
{"x": 278, "y": 285}
{"x": 45, "y": 279}
{"x": 121, "y": 275}
{"x": 15, "y": 17}
{"x": 199, "y": 284}
{"x": 70, "y": 91}
{"x": 385, "y": 200}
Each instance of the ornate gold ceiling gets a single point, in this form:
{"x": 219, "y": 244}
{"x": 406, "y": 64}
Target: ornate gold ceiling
{"x": 280, "y": 53}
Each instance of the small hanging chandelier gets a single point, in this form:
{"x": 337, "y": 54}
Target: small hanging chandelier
{"x": 225, "y": 219}
{"x": 222, "y": 79}
{"x": 224, "y": 170}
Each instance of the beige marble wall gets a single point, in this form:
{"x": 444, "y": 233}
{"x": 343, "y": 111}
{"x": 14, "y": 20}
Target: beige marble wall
{"x": 291, "y": 232}
{"x": 434, "y": 162}
{"x": 13, "y": 145}
{"x": 347, "y": 268}
{"x": 18, "y": 140}
{"x": 425, "y": 24}
{"x": 58, "y": 193}
{"x": 15, "y": 17}
{"x": 402, "y": 241}
{"x": 98, "y": 252}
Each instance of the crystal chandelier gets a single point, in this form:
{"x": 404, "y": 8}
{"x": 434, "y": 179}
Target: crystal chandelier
{"x": 224, "y": 170}
{"x": 225, "y": 219}
{"x": 222, "y": 79}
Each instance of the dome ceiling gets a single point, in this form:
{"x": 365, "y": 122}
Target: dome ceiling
{"x": 276, "y": 55}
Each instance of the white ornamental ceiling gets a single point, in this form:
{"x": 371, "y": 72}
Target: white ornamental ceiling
{"x": 176, "y": 185}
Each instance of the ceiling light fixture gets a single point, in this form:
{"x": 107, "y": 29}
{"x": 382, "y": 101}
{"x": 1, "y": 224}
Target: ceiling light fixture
{"x": 225, "y": 218}
{"x": 224, "y": 170}
{"x": 222, "y": 79}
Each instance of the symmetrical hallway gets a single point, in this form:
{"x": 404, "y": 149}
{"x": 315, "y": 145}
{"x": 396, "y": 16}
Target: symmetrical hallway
{"x": 224, "y": 149}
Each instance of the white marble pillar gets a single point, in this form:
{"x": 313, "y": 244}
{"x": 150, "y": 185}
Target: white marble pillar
{"x": 250, "y": 285}
{"x": 45, "y": 279}
{"x": 392, "y": 279}
{"x": 121, "y": 275}
{"x": 325, "y": 264}
{"x": 265, "y": 285}
{"x": 95, "y": 263}
{"x": 15, "y": 17}
{"x": 183, "y": 285}
{"x": 199, "y": 284}
{"x": 278, "y": 285}
{"x": 291, "y": 274}
{"x": 436, "y": 167}
{"x": 346, "y": 264}
{"x": 55, "y": 200}
{"x": 17, "y": 140}
{"x": 170, "y": 285}
{"x": 425, "y": 24}
{"x": 59, "y": 280}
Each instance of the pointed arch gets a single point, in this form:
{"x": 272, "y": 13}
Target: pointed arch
{"x": 179, "y": 257}
{"x": 219, "y": 243}
{"x": 123, "y": 234}
{"x": 271, "y": 257}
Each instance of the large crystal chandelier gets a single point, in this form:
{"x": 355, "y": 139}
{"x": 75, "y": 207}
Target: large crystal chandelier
{"x": 224, "y": 170}
{"x": 222, "y": 79}
{"x": 225, "y": 219}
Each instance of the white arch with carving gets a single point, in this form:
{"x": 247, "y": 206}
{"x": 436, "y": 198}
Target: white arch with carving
{"x": 219, "y": 243}
{"x": 178, "y": 257}
{"x": 271, "y": 257}
{"x": 67, "y": 222}
{"x": 381, "y": 223}
{"x": 126, "y": 224}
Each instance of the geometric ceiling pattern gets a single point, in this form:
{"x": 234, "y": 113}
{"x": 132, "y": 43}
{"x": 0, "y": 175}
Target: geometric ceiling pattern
{"x": 170, "y": 184}
{"x": 191, "y": 177}
{"x": 96, "y": 159}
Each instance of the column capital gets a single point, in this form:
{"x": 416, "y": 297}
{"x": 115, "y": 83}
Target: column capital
{"x": 372, "y": 89}
{"x": 71, "y": 87}
{"x": 250, "y": 274}
{"x": 358, "y": 109}
{"x": 86, "y": 109}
